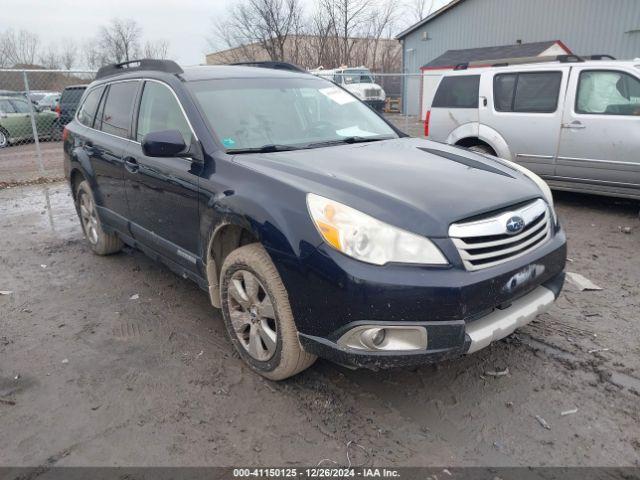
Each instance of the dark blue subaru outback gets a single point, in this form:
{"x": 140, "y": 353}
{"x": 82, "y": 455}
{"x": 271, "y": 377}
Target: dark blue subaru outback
{"x": 317, "y": 227}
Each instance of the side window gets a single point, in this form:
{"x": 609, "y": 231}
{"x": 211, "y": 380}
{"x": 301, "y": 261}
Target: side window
{"x": 20, "y": 106}
{"x": 457, "y": 92}
{"x": 116, "y": 117}
{"x": 529, "y": 92}
{"x": 6, "y": 107}
{"x": 87, "y": 111}
{"x": 608, "y": 93}
{"x": 159, "y": 110}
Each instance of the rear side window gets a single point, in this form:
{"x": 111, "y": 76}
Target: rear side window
{"x": 20, "y": 106}
{"x": 116, "y": 117}
{"x": 71, "y": 96}
{"x": 457, "y": 92}
{"x": 530, "y": 92}
{"x": 87, "y": 111}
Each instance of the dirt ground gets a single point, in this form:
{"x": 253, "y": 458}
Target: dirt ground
{"x": 90, "y": 374}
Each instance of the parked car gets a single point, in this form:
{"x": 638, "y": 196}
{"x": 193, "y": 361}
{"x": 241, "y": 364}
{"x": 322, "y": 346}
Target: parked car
{"x": 15, "y": 121}
{"x": 68, "y": 104}
{"x": 574, "y": 123}
{"x": 49, "y": 101}
{"x": 37, "y": 95}
{"x": 359, "y": 81}
{"x": 317, "y": 227}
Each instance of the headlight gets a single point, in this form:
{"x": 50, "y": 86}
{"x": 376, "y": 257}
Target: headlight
{"x": 367, "y": 239}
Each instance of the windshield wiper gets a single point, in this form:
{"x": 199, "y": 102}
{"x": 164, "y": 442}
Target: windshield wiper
{"x": 352, "y": 139}
{"x": 272, "y": 147}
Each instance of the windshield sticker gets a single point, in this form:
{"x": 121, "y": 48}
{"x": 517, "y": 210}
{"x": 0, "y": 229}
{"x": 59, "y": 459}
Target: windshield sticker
{"x": 228, "y": 142}
{"x": 338, "y": 95}
{"x": 355, "y": 131}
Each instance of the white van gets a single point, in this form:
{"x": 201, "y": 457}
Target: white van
{"x": 358, "y": 81}
{"x": 576, "y": 123}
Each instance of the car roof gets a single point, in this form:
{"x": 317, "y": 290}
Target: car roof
{"x": 207, "y": 72}
{"x": 545, "y": 66}
{"x": 75, "y": 87}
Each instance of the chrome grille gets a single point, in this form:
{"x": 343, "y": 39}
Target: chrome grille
{"x": 486, "y": 242}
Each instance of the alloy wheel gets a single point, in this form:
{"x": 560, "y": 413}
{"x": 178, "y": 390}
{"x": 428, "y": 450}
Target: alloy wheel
{"x": 252, "y": 315}
{"x": 89, "y": 217}
{"x": 3, "y": 140}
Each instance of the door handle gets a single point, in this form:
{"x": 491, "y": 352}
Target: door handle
{"x": 131, "y": 164}
{"x": 575, "y": 125}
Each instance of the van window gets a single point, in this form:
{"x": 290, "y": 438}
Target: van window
{"x": 159, "y": 110}
{"x": 528, "y": 92}
{"x": 457, "y": 92}
{"x": 608, "y": 92}
{"x": 88, "y": 109}
{"x": 116, "y": 118}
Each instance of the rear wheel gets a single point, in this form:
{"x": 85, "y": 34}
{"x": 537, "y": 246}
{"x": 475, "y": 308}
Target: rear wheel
{"x": 101, "y": 242}
{"x": 257, "y": 314}
{"x": 481, "y": 148}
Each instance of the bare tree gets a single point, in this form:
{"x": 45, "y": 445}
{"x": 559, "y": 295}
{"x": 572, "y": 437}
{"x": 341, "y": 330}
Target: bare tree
{"x": 347, "y": 17}
{"x": 159, "y": 49}
{"x": 268, "y": 23}
{"x": 120, "y": 40}
{"x": 68, "y": 54}
{"x": 19, "y": 48}
{"x": 50, "y": 58}
{"x": 419, "y": 9}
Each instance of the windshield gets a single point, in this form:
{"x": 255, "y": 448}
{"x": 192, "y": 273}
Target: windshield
{"x": 293, "y": 112}
{"x": 357, "y": 77}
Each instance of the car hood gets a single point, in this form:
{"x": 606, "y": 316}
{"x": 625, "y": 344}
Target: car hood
{"x": 416, "y": 184}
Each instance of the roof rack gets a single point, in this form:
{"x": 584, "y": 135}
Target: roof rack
{"x": 272, "y": 64}
{"x": 168, "y": 66}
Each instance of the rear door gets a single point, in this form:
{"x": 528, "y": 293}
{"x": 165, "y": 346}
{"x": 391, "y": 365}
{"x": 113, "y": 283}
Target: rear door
{"x": 601, "y": 129}
{"x": 455, "y": 104}
{"x": 163, "y": 192}
{"x": 525, "y": 108}
{"x": 107, "y": 144}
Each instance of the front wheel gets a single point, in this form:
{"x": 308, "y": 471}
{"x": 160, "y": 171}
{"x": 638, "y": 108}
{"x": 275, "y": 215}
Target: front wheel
{"x": 4, "y": 138}
{"x": 257, "y": 314}
{"x": 101, "y": 242}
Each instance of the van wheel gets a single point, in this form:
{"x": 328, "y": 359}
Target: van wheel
{"x": 257, "y": 314}
{"x": 101, "y": 242}
{"x": 480, "y": 148}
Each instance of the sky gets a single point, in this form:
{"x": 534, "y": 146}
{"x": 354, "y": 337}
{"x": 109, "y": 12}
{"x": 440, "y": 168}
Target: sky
{"x": 185, "y": 24}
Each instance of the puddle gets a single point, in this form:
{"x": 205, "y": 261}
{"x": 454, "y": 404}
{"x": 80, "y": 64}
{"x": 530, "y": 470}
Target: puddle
{"x": 39, "y": 209}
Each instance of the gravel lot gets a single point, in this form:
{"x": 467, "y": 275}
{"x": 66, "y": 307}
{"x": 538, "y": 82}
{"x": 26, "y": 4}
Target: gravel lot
{"x": 90, "y": 376}
{"x": 98, "y": 378}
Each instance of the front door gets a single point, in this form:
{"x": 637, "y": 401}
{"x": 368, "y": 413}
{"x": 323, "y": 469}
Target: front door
{"x": 162, "y": 193}
{"x": 600, "y": 137}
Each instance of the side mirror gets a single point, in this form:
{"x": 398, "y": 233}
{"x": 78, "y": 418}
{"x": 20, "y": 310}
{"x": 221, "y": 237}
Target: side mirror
{"x": 166, "y": 143}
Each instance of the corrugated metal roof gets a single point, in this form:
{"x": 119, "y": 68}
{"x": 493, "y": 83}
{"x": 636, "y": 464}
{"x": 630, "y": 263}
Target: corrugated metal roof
{"x": 425, "y": 20}
{"x": 451, "y": 58}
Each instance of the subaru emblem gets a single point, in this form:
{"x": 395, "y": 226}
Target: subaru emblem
{"x": 515, "y": 224}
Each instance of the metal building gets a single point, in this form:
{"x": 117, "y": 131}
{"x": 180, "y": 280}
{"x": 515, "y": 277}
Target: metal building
{"x": 585, "y": 26}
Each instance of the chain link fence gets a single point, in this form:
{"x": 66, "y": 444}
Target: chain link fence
{"x": 35, "y": 105}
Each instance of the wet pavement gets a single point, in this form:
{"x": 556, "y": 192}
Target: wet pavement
{"x": 90, "y": 376}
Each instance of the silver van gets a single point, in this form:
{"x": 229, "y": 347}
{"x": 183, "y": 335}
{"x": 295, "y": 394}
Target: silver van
{"x": 576, "y": 124}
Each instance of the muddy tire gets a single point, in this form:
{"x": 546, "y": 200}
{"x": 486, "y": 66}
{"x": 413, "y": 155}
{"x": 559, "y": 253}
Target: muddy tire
{"x": 101, "y": 242}
{"x": 485, "y": 149}
{"x": 257, "y": 314}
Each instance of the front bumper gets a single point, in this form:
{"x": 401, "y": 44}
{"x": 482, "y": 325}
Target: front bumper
{"x": 377, "y": 105}
{"x": 445, "y": 339}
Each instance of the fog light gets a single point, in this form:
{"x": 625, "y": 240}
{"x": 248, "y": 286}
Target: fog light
{"x": 388, "y": 338}
{"x": 373, "y": 337}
